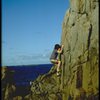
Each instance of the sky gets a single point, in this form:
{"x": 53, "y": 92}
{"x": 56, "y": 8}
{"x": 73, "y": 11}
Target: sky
{"x": 30, "y": 29}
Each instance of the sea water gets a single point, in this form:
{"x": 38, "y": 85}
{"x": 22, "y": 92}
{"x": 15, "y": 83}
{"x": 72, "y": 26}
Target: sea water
{"x": 23, "y": 75}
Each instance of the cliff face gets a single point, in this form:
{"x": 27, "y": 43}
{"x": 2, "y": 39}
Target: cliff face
{"x": 80, "y": 39}
{"x": 79, "y": 76}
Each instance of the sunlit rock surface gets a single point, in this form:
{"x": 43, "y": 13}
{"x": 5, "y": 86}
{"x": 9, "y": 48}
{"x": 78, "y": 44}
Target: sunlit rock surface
{"x": 79, "y": 78}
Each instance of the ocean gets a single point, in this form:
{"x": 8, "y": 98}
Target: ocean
{"x": 22, "y": 75}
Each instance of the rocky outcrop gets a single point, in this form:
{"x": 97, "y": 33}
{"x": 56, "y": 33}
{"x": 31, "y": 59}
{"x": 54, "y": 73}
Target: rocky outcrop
{"x": 45, "y": 87}
{"x": 7, "y": 84}
{"x": 79, "y": 78}
{"x": 80, "y": 57}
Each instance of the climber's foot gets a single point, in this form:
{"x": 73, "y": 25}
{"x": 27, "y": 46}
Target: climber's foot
{"x": 58, "y": 74}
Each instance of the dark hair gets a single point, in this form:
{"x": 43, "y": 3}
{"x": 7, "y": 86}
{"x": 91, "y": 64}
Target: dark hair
{"x": 57, "y": 46}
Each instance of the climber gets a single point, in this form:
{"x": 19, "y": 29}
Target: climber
{"x": 55, "y": 56}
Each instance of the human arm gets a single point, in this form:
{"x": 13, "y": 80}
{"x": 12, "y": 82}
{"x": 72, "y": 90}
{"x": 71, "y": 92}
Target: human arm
{"x": 60, "y": 51}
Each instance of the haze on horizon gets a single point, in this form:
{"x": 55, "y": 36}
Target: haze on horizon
{"x": 30, "y": 29}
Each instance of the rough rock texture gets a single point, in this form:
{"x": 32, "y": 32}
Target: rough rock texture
{"x": 80, "y": 57}
{"x": 46, "y": 87}
{"x": 8, "y": 87}
{"x": 79, "y": 78}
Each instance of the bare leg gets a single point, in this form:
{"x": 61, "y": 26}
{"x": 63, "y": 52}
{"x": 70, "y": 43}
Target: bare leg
{"x": 58, "y": 62}
{"x": 58, "y": 67}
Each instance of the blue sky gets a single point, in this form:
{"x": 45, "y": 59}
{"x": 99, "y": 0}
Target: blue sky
{"x": 30, "y": 29}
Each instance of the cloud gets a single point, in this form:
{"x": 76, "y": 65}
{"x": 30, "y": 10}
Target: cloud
{"x": 35, "y": 57}
{"x": 23, "y": 59}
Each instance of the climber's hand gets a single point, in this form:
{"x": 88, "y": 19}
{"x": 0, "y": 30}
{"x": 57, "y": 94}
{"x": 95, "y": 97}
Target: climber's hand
{"x": 62, "y": 46}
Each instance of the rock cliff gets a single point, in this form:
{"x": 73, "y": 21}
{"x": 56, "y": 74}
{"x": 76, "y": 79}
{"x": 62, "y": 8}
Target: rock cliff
{"x": 80, "y": 39}
{"x": 80, "y": 72}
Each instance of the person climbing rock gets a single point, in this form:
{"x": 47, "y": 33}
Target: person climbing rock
{"x": 55, "y": 56}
